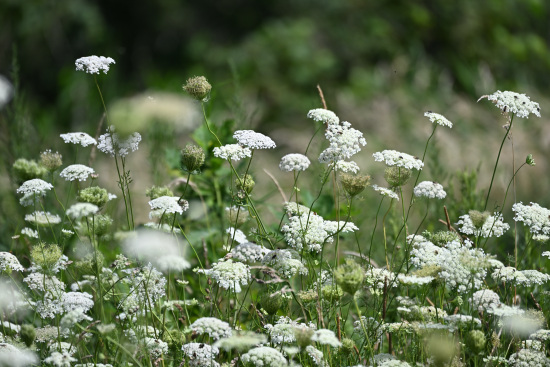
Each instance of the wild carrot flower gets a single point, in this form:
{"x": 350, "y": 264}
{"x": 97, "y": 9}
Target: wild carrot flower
{"x": 78, "y": 138}
{"x": 60, "y": 359}
{"x": 264, "y": 357}
{"x": 430, "y": 190}
{"x": 386, "y": 192}
{"x": 233, "y": 152}
{"x": 493, "y": 226}
{"x": 9, "y": 262}
{"x": 78, "y": 172}
{"x": 35, "y": 186}
{"x": 13, "y": 357}
{"x": 111, "y": 144}
{"x": 326, "y": 337}
{"x": 294, "y": 162}
{"x": 236, "y": 235}
{"x": 398, "y": 159}
{"x": 253, "y": 140}
{"x": 94, "y": 64}
{"x": 29, "y": 232}
{"x": 438, "y": 119}
{"x": 166, "y": 205}
{"x": 81, "y": 210}
{"x": 200, "y": 354}
{"x": 284, "y": 263}
{"x": 228, "y": 274}
{"x": 534, "y": 216}
{"x": 515, "y": 103}
{"x": 215, "y": 328}
{"x": 249, "y": 252}
{"x": 324, "y": 116}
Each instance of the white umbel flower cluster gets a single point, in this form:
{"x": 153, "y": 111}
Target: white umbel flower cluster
{"x": 78, "y": 172}
{"x": 515, "y": 103}
{"x": 111, "y": 144}
{"x": 29, "y": 232}
{"x": 520, "y": 277}
{"x": 264, "y": 357}
{"x": 215, "y": 328}
{"x": 534, "y": 216}
{"x": 233, "y": 152}
{"x": 325, "y": 116}
{"x": 228, "y": 274}
{"x": 398, "y": 159}
{"x": 485, "y": 299}
{"x": 345, "y": 166}
{"x": 430, "y": 190}
{"x": 438, "y": 119}
{"x": 493, "y": 226}
{"x": 36, "y": 186}
{"x": 200, "y": 354}
{"x": 284, "y": 263}
{"x": 9, "y": 262}
{"x": 43, "y": 218}
{"x": 294, "y": 162}
{"x": 81, "y": 210}
{"x": 63, "y": 359}
{"x": 326, "y": 337}
{"x": 345, "y": 142}
{"x": 386, "y": 192}
{"x": 253, "y": 140}
{"x": 528, "y": 358}
{"x": 166, "y": 205}
{"x": 236, "y": 235}
{"x": 249, "y": 252}
{"x": 78, "y": 138}
{"x": 94, "y": 64}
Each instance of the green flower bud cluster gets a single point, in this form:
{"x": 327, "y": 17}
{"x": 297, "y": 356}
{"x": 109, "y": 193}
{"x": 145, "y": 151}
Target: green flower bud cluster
{"x": 198, "y": 87}
{"x": 246, "y": 184}
{"x": 354, "y": 184}
{"x": 46, "y": 256}
{"x": 24, "y": 170}
{"x": 50, "y": 160}
{"x": 271, "y": 303}
{"x": 28, "y": 334}
{"x": 192, "y": 159}
{"x": 156, "y": 192}
{"x": 475, "y": 341}
{"x": 94, "y": 195}
{"x": 397, "y": 176}
{"x": 303, "y": 336}
{"x": 349, "y": 276}
{"x": 478, "y": 218}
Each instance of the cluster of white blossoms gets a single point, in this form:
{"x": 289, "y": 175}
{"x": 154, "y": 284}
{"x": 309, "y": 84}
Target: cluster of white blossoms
{"x": 94, "y": 64}
{"x": 485, "y": 299}
{"x": 394, "y": 158}
{"x": 78, "y": 139}
{"x": 438, "y": 119}
{"x": 515, "y": 103}
{"x": 147, "y": 285}
{"x": 311, "y": 231}
{"x": 534, "y": 216}
{"x": 293, "y": 208}
{"x": 386, "y": 192}
{"x": 345, "y": 142}
{"x": 36, "y": 186}
{"x": 263, "y": 357}
{"x": 8, "y": 262}
{"x": 167, "y": 205}
{"x": 78, "y": 172}
{"x": 525, "y": 278}
{"x": 316, "y": 356}
{"x": 214, "y": 327}
{"x": 29, "y": 232}
{"x": 325, "y": 116}
{"x": 249, "y": 252}
{"x": 378, "y": 278}
{"x": 233, "y": 152}
{"x": 283, "y": 332}
{"x": 77, "y": 300}
{"x": 253, "y": 140}
{"x": 228, "y": 274}
{"x": 62, "y": 359}
{"x": 430, "y": 190}
{"x": 411, "y": 279}
{"x": 294, "y": 162}
{"x": 43, "y": 218}
{"x": 111, "y": 144}
{"x": 155, "y": 347}
{"x": 326, "y": 337}
{"x": 462, "y": 266}
{"x": 528, "y": 358}
{"x": 345, "y": 166}
{"x": 236, "y": 235}
{"x": 200, "y": 354}
{"x": 241, "y": 341}
{"x": 81, "y": 210}
{"x": 284, "y": 263}
{"x": 493, "y": 226}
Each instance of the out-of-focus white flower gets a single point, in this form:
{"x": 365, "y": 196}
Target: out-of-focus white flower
{"x": 6, "y": 91}
{"x": 430, "y": 190}
{"x": 81, "y": 210}
{"x": 438, "y": 119}
{"x": 294, "y": 162}
{"x": 78, "y": 138}
{"x": 398, "y": 159}
{"x": 236, "y": 235}
{"x": 11, "y": 356}
{"x": 60, "y": 359}
{"x": 43, "y": 218}
{"x": 78, "y": 172}
{"x": 515, "y": 103}
{"x": 9, "y": 262}
{"x": 326, "y": 337}
{"x": 29, "y": 232}
{"x": 233, "y": 152}
{"x": 94, "y": 64}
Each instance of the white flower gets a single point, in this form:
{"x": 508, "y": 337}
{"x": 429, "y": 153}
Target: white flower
{"x": 293, "y": 208}
{"x": 78, "y": 172}
{"x": 78, "y": 138}
{"x": 326, "y": 337}
{"x": 60, "y": 359}
{"x": 215, "y": 328}
{"x": 234, "y": 152}
{"x": 386, "y": 192}
{"x": 485, "y": 299}
{"x": 438, "y": 119}
{"x": 6, "y": 91}
{"x": 147, "y": 285}
{"x": 534, "y": 216}
{"x": 264, "y": 357}
{"x": 414, "y": 279}
{"x": 110, "y": 143}
{"x": 13, "y": 357}
{"x": 294, "y": 162}
{"x": 344, "y": 140}
{"x": 345, "y": 166}
{"x": 398, "y": 159}
{"x": 541, "y": 334}
{"x": 43, "y": 218}
{"x": 166, "y": 204}
{"x": 236, "y": 235}
{"x": 430, "y": 190}
{"x": 241, "y": 341}
{"x": 529, "y": 358}
{"x": 283, "y": 263}
{"x": 94, "y": 64}
{"x": 77, "y": 300}
{"x": 9, "y": 262}
{"x": 201, "y": 355}
{"x": 228, "y": 274}
{"x": 518, "y": 104}
{"x": 493, "y": 226}
{"x": 316, "y": 356}
{"x": 81, "y": 210}
{"x": 324, "y": 116}
{"x": 249, "y": 252}
{"x": 35, "y": 186}
{"x": 253, "y": 140}
{"x": 29, "y": 232}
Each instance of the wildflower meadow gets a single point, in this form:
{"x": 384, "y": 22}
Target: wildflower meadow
{"x": 206, "y": 267}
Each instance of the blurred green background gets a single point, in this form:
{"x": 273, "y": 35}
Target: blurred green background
{"x": 381, "y": 65}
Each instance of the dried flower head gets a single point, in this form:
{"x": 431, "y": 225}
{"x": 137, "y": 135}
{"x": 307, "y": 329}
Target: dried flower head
{"x": 354, "y": 184}
{"x": 192, "y": 158}
{"x": 198, "y": 87}
{"x": 50, "y": 160}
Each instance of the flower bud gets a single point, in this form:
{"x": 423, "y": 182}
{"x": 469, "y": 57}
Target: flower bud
{"x": 530, "y": 160}
{"x": 94, "y": 195}
{"x": 271, "y": 303}
{"x": 50, "y": 160}
{"x": 478, "y": 218}
{"x": 303, "y": 336}
{"x": 246, "y": 184}
{"x": 354, "y": 184}
{"x": 192, "y": 159}
{"x": 397, "y": 176}
{"x": 475, "y": 341}
{"x": 156, "y": 192}
{"x": 198, "y": 87}
{"x": 24, "y": 170}
{"x": 46, "y": 256}
{"x": 349, "y": 276}
{"x": 28, "y": 334}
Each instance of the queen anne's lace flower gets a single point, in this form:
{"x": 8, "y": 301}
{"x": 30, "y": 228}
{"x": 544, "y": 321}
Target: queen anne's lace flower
{"x": 77, "y": 300}
{"x": 284, "y": 263}
{"x": 29, "y": 232}
{"x": 235, "y": 152}
{"x": 534, "y": 216}
{"x": 236, "y": 235}
{"x": 36, "y": 186}
{"x": 438, "y": 119}
{"x": 166, "y": 205}
{"x": 264, "y": 357}
{"x": 147, "y": 285}
{"x": 60, "y": 359}
{"x": 398, "y": 159}
{"x": 253, "y": 140}
{"x": 94, "y": 64}
{"x": 386, "y": 192}
{"x": 81, "y": 210}
{"x": 242, "y": 341}
{"x": 414, "y": 279}
{"x": 326, "y": 337}
{"x": 294, "y": 162}
{"x": 78, "y": 172}
{"x": 78, "y": 138}
{"x": 9, "y": 262}
{"x": 13, "y": 357}
{"x": 430, "y": 190}
{"x": 200, "y": 354}
{"x": 345, "y": 142}
{"x": 111, "y": 144}
{"x": 249, "y": 252}
{"x": 322, "y": 115}
{"x": 215, "y": 328}
{"x": 485, "y": 299}
{"x": 529, "y": 358}
{"x": 293, "y": 208}
{"x": 316, "y": 356}
{"x": 228, "y": 274}
{"x": 346, "y": 166}
{"x": 493, "y": 226}
{"x": 43, "y": 218}
{"x": 518, "y": 104}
